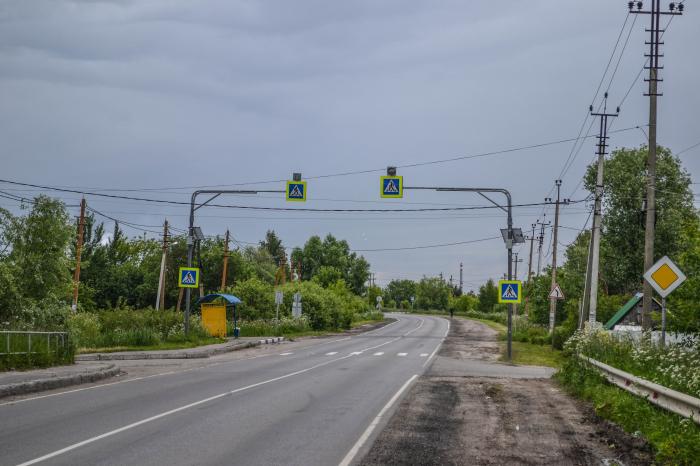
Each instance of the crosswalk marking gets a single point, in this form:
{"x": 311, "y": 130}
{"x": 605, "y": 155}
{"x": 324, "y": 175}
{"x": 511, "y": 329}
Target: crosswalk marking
{"x": 424, "y": 355}
{"x": 379, "y": 354}
{"x": 285, "y": 354}
{"x": 332, "y": 353}
{"x": 402, "y": 354}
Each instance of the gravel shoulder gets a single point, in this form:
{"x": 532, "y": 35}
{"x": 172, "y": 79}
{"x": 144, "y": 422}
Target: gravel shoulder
{"x": 471, "y": 419}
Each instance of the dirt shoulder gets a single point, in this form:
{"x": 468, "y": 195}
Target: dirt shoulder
{"x": 476, "y": 420}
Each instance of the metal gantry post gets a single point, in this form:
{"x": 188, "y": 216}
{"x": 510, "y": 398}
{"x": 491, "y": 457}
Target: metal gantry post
{"x": 509, "y": 237}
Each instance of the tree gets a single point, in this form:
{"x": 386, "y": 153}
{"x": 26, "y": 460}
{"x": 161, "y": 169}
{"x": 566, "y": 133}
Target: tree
{"x": 401, "y": 290}
{"x": 488, "y": 296}
{"x": 39, "y": 251}
{"x": 622, "y": 239}
{"x": 327, "y": 276}
{"x": 331, "y": 252}
{"x": 273, "y": 245}
{"x": 432, "y": 293}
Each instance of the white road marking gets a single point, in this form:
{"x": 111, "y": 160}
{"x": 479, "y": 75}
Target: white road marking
{"x": 355, "y": 353}
{"x": 422, "y": 321}
{"x": 379, "y": 354}
{"x": 423, "y": 355}
{"x": 365, "y": 435}
{"x": 172, "y": 411}
{"x": 402, "y": 354}
{"x": 430, "y": 358}
{"x": 285, "y": 354}
{"x": 332, "y": 353}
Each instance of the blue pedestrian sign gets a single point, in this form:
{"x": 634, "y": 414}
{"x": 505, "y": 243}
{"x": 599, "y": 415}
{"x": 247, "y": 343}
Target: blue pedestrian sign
{"x": 188, "y": 277}
{"x": 510, "y": 292}
{"x": 296, "y": 191}
{"x": 392, "y": 187}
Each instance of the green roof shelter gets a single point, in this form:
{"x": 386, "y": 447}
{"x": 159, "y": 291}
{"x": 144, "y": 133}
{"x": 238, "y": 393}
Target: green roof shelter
{"x": 630, "y": 313}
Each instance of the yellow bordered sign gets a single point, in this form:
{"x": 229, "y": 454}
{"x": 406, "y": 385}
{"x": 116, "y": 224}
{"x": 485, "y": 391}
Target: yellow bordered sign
{"x": 392, "y": 187}
{"x": 664, "y": 276}
{"x": 188, "y": 277}
{"x": 296, "y": 191}
{"x": 510, "y": 292}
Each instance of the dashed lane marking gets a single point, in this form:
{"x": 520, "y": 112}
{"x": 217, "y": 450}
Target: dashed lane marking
{"x": 402, "y": 354}
{"x": 332, "y": 353}
{"x": 285, "y": 354}
{"x": 424, "y": 355}
{"x": 379, "y": 353}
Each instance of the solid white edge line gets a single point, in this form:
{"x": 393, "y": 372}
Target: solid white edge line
{"x": 366, "y": 434}
{"x": 172, "y": 411}
{"x": 432, "y": 355}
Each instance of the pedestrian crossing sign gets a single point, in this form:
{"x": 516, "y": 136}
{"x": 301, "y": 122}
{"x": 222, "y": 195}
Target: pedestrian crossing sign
{"x": 510, "y": 291}
{"x": 296, "y": 191}
{"x": 392, "y": 187}
{"x": 189, "y": 277}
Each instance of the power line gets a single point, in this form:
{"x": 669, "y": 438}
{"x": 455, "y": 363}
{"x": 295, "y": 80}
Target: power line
{"x": 440, "y": 245}
{"x": 302, "y": 209}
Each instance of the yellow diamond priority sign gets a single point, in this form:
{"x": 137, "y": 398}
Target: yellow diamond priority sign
{"x": 664, "y": 276}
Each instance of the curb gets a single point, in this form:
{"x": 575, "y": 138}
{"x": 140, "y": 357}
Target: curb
{"x": 39, "y": 385}
{"x": 187, "y": 354}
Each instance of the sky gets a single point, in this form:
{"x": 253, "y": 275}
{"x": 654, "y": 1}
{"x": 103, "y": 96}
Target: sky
{"x": 156, "y": 98}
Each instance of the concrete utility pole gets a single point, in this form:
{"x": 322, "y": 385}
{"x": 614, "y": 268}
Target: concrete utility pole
{"x": 597, "y": 212}
{"x": 224, "y": 272}
{"x": 461, "y": 278}
{"x": 653, "y": 80}
{"x": 553, "y": 301}
{"x": 515, "y": 277}
{"x": 583, "y": 309}
{"x": 160, "y": 299}
{"x": 78, "y": 253}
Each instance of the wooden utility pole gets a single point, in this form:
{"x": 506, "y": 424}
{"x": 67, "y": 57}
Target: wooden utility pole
{"x": 225, "y": 270}
{"x": 532, "y": 243}
{"x": 650, "y": 204}
{"x": 78, "y": 253}
{"x": 160, "y": 299}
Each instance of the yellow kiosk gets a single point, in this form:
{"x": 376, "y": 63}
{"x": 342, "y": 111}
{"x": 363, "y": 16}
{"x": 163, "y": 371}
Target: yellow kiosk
{"x": 214, "y": 308}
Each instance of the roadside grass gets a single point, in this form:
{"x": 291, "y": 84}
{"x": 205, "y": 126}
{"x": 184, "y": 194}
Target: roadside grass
{"x": 43, "y": 353}
{"x": 524, "y": 353}
{"x": 166, "y": 345}
{"x": 675, "y": 439}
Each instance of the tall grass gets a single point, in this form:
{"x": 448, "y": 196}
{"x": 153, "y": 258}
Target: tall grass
{"x": 44, "y": 352}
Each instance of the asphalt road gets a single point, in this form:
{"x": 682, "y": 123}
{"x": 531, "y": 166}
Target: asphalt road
{"x": 309, "y": 404}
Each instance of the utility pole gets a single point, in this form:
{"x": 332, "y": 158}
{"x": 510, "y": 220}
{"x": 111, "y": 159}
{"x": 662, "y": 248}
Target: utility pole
{"x": 224, "y": 272}
{"x": 540, "y": 243}
{"x": 515, "y": 277}
{"x": 597, "y": 210}
{"x": 653, "y": 80}
{"x": 461, "y": 278}
{"x": 555, "y": 234}
{"x": 78, "y": 253}
{"x": 160, "y": 299}
{"x": 529, "y": 263}
{"x": 587, "y": 287}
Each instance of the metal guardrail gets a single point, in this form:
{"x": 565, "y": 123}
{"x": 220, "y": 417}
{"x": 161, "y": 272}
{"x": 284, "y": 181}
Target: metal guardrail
{"x": 59, "y": 338}
{"x": 670, "y": 400}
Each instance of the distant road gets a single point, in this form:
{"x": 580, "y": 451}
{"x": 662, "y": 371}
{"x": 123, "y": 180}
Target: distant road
{"x": 308, "y": 404}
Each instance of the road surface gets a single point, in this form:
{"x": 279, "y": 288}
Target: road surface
{"x": 318, "y": 403}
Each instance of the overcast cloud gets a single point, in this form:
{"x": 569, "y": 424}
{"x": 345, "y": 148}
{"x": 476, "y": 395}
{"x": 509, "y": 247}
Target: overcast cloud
{"x": 173, "y": 93}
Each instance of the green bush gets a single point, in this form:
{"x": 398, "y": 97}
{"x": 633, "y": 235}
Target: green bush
{"x": 258, "y": 299}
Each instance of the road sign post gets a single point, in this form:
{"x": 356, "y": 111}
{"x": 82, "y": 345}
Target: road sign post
{"x": 664, "y": 277}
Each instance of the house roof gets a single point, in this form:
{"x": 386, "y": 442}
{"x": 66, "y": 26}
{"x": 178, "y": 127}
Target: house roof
{"x": 624, "y": 310}
{"x": 229, "y": 298}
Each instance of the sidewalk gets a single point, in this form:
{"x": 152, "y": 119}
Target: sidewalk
{"x": 190, "y": 353}
{"x": 22, "y": 382}
{"x": 88, "y": 367}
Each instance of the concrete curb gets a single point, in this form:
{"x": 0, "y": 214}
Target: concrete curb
{"x": 176, "y": 354}
{"x": 40, "y": 385}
